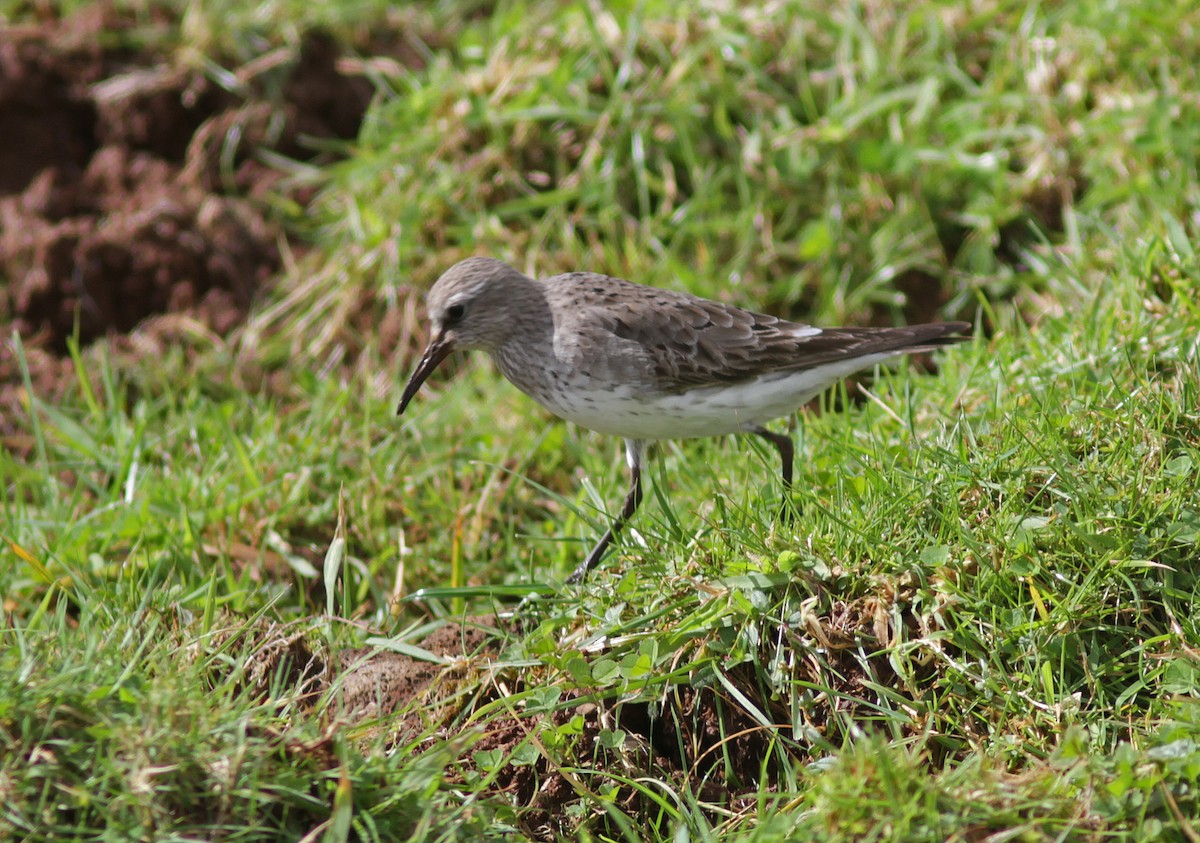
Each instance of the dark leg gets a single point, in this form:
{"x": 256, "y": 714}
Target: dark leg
{"x": 787, "y": 455}
{"x": 633, "y": 454}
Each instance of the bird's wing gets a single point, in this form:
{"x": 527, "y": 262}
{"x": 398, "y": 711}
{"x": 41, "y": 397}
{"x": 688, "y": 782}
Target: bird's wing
{"x": 684, "y": 342}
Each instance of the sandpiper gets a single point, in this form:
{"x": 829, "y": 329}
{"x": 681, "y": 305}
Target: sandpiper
{"x": 644, "y": 363}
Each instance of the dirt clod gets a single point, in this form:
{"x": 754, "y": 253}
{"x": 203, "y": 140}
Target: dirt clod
{"x": 375, "y": 683}
{"x": 128, "y": 183}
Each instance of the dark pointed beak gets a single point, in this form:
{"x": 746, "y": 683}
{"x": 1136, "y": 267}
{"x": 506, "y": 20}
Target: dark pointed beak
{"x": 437, "y": 351}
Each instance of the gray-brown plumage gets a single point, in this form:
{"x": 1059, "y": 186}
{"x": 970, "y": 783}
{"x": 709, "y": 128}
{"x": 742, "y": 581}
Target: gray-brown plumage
{"x": 644, "y": 363}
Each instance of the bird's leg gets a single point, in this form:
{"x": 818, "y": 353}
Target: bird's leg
{"x": 787, "y": 455}
{"x": 634, "y": 449}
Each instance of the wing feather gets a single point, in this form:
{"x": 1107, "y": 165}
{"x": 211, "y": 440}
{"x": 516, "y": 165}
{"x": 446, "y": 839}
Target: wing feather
{"x": 678, "y": 342}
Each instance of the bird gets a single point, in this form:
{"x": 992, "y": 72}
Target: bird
{"x": 645, "y": 363}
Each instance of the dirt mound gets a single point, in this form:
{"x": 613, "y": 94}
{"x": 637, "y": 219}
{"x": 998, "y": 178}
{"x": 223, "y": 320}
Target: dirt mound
{"x": 375, "y": 683}
{"x": 694, "y": 735}
{"x": 127, "y": 183}
{"x": 559, "y": 741}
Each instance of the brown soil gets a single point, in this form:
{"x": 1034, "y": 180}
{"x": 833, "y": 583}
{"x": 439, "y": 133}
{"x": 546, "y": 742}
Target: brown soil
{"x": 131, "y": 187}
{"x": 696, "y": 736}
{"x": 549, "y": 759}
{"x": 375, "y": 683}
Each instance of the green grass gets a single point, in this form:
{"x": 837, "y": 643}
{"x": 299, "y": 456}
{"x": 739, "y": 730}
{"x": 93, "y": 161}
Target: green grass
{"x": 983, "y": 624}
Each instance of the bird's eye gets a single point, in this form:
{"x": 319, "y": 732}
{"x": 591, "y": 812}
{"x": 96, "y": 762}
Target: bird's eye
{"x": 454, "y": 312}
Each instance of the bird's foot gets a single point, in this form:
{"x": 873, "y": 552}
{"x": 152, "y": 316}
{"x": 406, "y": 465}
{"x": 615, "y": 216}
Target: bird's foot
{"x": 593, "y": 559}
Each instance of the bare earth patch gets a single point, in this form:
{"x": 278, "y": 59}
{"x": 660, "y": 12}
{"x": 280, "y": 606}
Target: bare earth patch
{"x": 694, "y": 735}
{"x": 131, "y": 187}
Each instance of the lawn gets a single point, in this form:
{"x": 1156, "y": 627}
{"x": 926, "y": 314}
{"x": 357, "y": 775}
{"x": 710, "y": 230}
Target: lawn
{"x": 242, "y": 600}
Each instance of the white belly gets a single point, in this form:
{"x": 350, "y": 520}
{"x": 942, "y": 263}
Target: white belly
{"x": 710, "y": 411}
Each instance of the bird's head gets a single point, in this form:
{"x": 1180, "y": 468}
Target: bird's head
{"x": 474, "y": 305}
